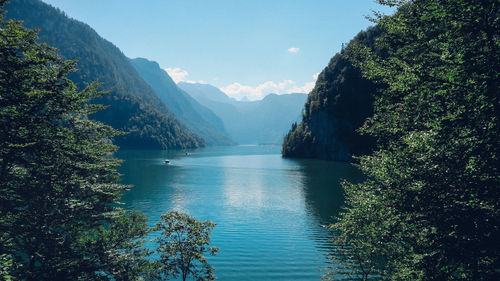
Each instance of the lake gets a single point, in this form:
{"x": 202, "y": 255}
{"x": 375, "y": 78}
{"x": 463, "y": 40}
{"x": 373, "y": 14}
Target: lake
{"x": 269, "y": 211}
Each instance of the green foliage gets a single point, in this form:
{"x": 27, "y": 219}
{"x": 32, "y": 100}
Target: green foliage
{"x": 5, "y": 267}
{"x": 146, "y": 127}
{"x": 298, "y": 141}
{"x": 182, "y": 244}
{"x": 59, "y": 218}
{"x": 337, "y": 106}
{"x": 429, "y": 209}
{"x": 133, "y": 105}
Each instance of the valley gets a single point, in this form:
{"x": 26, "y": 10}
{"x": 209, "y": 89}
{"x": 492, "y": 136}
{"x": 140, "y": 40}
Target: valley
{"x": 249, "y": 140}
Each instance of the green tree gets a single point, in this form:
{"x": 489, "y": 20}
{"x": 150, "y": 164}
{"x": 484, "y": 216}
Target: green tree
{"x": 429, "y": 209}
{"x": 182, "y": 244}
{"x": 58, "y": 214}
{"x": 5, "y": 264}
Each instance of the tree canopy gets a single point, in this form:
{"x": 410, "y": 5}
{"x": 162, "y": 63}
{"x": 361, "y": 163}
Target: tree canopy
{"x": 182, "y": 243}
{"x": 429, "y": 209}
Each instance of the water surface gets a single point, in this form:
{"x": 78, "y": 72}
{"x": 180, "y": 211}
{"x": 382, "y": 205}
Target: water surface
{"x": 269, "y": 210}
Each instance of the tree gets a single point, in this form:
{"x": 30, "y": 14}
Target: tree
{"x": 429, "y": 209}
{"x": 182, "y": 244}
{"x": 59, "y": 188}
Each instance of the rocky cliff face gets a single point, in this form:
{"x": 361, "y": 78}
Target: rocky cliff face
{"x": 338, "y": 105}
{"x": 317, "y": 138}
{"x": 328, "y": 145}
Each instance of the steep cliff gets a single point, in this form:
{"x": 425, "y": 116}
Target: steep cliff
{"x": 338, "y": 105}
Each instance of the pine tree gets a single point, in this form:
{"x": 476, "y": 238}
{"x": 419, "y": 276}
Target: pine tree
{"x": 59, "y": 218}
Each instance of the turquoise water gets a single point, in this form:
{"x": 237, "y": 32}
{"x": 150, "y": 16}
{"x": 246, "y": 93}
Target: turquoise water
{"x": 269, "y": 210}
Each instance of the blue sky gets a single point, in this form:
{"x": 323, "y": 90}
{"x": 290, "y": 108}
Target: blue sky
{"x": 245, "y": 47}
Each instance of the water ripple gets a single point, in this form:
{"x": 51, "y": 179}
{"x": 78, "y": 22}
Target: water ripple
{"x": 268, "y": 210}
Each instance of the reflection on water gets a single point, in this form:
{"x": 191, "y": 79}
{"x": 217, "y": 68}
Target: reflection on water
{"x": 322, "y": 186}
{"x": 268, "y": 210}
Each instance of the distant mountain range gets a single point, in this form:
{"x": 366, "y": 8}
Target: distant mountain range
{"x": 134, "y": 105}
{"x": 250, "y": 122}
{"x": 145, "y": 102}
{"x": 205, "y": 93}
{"x": 196, "y": 116}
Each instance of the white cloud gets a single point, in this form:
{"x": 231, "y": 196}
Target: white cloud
{"x": 180, "y": 75}
{"x": 177, "y": 74}
{"x": 293, "y": 50}
{"x": 306, "y": 88}
{"x": 195, "y": 82}
{"x": 238, "y": 91}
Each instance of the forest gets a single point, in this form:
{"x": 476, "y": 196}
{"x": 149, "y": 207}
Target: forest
{"x": 429, "y": 208}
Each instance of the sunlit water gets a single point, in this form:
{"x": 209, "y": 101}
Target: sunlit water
{"x": 269, "y": 210}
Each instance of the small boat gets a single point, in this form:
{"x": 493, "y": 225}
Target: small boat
{"x": 167, "y": 161}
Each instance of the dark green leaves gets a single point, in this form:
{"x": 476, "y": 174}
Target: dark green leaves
{"x": 59, "y": 187}
{"x": 182, "y": 244}
{"x": 430, "y": 208}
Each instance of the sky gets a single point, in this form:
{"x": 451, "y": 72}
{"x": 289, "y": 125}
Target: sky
{"x": 247, "y": 48}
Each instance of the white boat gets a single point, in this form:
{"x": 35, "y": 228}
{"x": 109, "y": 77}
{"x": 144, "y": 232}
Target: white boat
{"x": 167, "y": 161}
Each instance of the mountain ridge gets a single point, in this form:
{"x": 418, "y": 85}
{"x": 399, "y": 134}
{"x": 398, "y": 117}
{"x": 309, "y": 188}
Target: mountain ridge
{"x": 264, "y": 121}
{"x": 197, "y": 117}
{"x": 134, "y": 106}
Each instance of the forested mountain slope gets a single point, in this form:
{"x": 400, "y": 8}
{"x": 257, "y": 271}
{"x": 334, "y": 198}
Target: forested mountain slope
{"x": 134, "y": 106}
{"x": 198, "y": 118}
{"x": 250, "y": 122}
{"x": 338, "y": 105}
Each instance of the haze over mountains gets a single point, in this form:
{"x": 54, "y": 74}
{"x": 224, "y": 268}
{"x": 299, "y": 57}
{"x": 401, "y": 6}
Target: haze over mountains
{"x": 264, "y": 121}
{"x": 145, "y": 102}
{"x": 197, "y": 117}
{"x": 218, "y": 118}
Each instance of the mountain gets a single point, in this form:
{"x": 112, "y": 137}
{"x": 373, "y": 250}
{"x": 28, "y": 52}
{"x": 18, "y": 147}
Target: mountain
{"x": 338, "y": 105}
{"x": 197, "y": 117}
{"x": 267, "y": 120}
{"x": 250, "y": 122}
{"x": 205, "y": 92}
{"x": 134, "y": 105}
